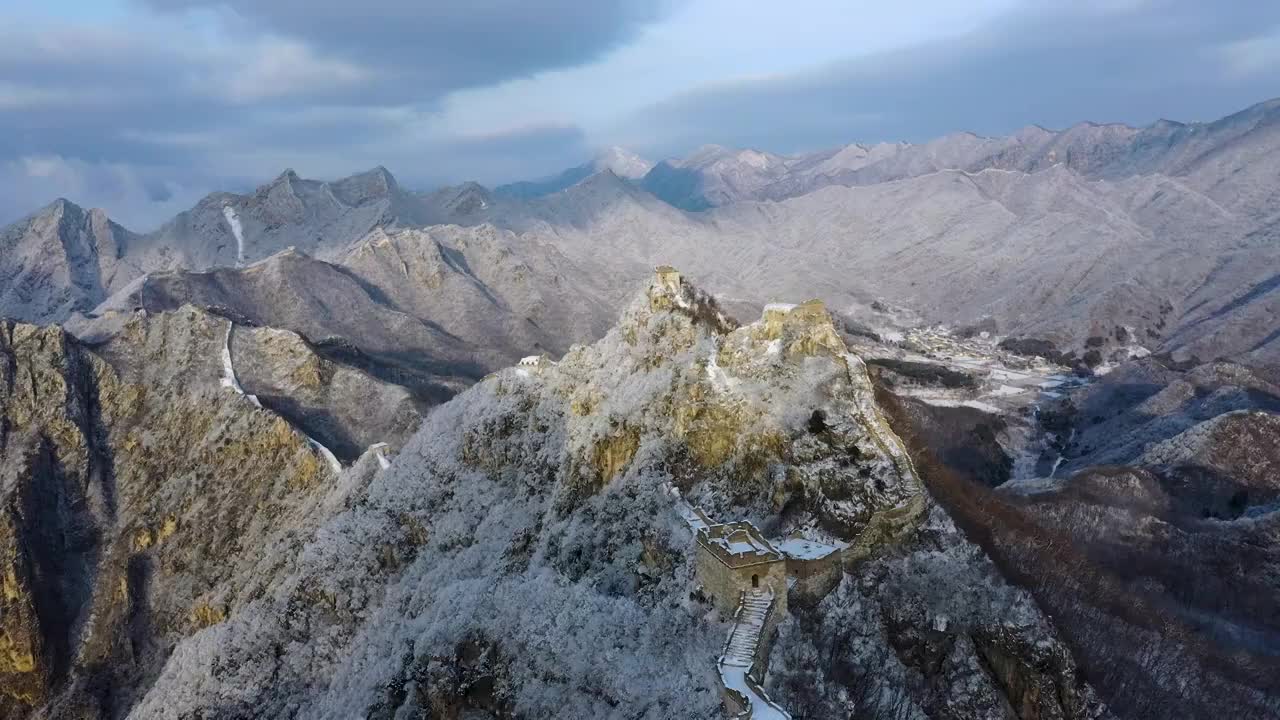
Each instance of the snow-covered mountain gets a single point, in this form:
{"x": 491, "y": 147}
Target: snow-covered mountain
{"x": 620, "y": 162}
{"x": 538, "y": 513}
{"x": 62, "y": 260}
{"x": 431, "y": 310}
{"x": 341, "y": 449}
{"x": 1207, "y": 154}
{"x": 1166, "y": 231}
{"x": 530, "y": 551}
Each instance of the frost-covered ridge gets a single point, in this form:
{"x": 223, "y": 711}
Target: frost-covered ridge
{"x": 525, "y": 556}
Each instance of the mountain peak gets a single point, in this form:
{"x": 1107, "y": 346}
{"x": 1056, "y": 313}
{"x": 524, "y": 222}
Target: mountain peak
{"x": 61, "y": 204}
{"x": 379, "y": 172}
{"x": 466, "y": 199}
{"x": 373, "y": 184}
{"x": 604, "y": 177}
{"x": 622, "y": 162}
{"x": 672, "y": 311}
{"x": 68, "y": 210}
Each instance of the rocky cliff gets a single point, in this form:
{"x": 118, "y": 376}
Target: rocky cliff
{"x": 137, "y": 498}
{"x": 61, "y": 260}
{"x": 522, "y": 557}
{"x": 1152, "y": 545}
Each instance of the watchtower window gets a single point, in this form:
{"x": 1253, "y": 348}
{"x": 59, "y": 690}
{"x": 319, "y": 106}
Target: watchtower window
{"x": 755, "y": 581}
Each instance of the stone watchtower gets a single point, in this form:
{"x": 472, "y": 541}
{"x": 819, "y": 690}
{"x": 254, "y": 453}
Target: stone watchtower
{"x": 735, "y": 557}
{"x": 669, "y": 277}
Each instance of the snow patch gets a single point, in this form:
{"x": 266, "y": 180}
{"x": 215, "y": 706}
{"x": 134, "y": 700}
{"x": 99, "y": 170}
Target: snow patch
{"x": 739, "y": 652}
{"x": 801, "y": 549}
{"x": 762, "y": 708}
{"x": 236, "y": 229}
{"x": 380, "y": 452}
{"x": 975, "y": 404}
{"x": 1054, "y": 470}
{"x": 719, "y": 380}
{"x": 326, "y": 453}
{"x": 229, "y": 370}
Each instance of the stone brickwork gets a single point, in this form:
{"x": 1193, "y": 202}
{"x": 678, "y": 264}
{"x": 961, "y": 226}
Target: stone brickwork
{"x": 735, "y": 557}
{"x": 812, "y": 579}
{"x": 669, "y": 277}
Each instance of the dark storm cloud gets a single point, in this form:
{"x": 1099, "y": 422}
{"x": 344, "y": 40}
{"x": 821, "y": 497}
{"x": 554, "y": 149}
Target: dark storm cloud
{"x": 152, "y": 110}
{"x": 444, "y": 46}
{"x": 165, "y": 103}
{"x": 156, "y": 191}
{"x": 1105, "y": 61}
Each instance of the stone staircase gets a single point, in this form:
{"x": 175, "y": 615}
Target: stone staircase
{"x": 738, "y": 662}
{"x": 745, "y": 636}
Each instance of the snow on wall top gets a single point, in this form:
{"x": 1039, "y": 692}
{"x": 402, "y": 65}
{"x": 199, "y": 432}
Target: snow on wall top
{"x": 738, "y": 543}
{"x": 801, "y": 549}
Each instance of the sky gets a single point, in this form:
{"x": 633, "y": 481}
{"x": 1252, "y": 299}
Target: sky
{"x": 143, "y": 106}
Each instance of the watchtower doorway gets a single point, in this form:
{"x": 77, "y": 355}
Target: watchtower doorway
{"x": 755, "y": 581}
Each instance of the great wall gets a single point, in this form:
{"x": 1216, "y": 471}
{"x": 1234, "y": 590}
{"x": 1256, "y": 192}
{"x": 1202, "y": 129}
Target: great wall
{"x": 746, "y": 576}
{"x": 753, "y": 579}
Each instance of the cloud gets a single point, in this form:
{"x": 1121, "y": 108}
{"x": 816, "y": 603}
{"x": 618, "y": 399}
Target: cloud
{"x": 284, "y": 69}
{"x": 1252, "y": 56}
{"x": 142, "y": 109}
{"x": 135, "y": 111}
{"x": 431, "y": 48}
{"x": 495, "y": 157}
{"x": 1128, "y": 61}
{"x": 142, "y": 196}
{"x": 420, "y": 154}
{"x": 136, "y": 198}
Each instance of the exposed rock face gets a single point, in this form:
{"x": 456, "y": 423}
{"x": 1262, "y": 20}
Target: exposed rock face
{"x": 928, "y": 628}
{"x": 136, "y": 502}
{"x": 346, "y": 410}
{"x": 331, "y": 309}
{"x": 318, "y": 218}
{"x": 62, "y": 260}
{"x": 429, "y": 310}
{"x": 522, "y": 556}
{"x": 1155, "y": 552}
{"x": 507, "y": 295}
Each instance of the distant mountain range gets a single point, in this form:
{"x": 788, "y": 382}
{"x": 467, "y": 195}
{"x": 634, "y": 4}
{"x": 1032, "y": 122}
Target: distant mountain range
{"x": 623, "y": 163}
{"x": 1165, "y": 233}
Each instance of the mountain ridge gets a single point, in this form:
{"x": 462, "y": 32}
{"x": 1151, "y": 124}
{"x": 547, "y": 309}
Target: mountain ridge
{"x": 1194, "y": 197}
